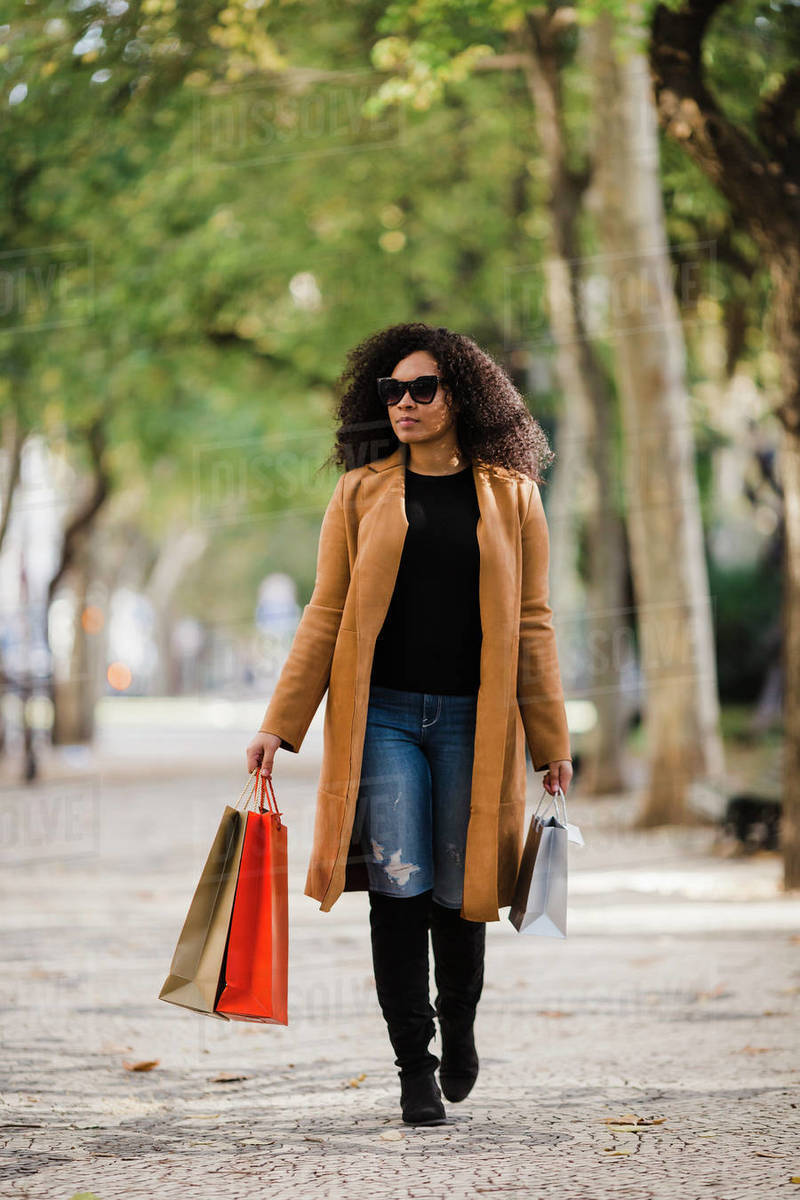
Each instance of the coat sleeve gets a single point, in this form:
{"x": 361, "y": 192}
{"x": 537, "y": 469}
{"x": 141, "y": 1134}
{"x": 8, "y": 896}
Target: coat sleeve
{"x": 306, "y": 672}
{"x": 539, "y": 690}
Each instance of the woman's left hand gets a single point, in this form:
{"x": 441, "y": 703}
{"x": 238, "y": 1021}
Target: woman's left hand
{"x": 558, "y": 776}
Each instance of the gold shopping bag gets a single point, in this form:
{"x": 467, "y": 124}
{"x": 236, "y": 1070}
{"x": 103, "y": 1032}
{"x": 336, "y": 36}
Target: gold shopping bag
{"x": 194, "y": 974}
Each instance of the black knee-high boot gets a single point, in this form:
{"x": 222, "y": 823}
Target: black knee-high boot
{"x": 458, "y": 953}
{"x": 399, "y": 928}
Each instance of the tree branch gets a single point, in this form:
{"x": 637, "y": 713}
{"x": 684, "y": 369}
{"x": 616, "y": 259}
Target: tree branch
{"x": 83, "y": 518}
{"x": 768, "y": 202}
{"x": 14, "y": 443}
{"x": 502, "y": 62}
{"x": 776, "y": 124}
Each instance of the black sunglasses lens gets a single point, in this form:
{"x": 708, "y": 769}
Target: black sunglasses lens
{"x": 424, "y": 388}
{"x": 390, "y": 390}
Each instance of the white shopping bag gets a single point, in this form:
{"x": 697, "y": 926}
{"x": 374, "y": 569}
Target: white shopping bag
{"x": 540, "y": 899}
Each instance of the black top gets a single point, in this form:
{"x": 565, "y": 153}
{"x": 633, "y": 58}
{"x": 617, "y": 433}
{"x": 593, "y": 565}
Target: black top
{"x": 431, "y": 638}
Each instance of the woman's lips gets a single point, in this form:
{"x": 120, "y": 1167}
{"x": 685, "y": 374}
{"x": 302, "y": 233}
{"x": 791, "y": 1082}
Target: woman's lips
{"x": 407, "y": 421}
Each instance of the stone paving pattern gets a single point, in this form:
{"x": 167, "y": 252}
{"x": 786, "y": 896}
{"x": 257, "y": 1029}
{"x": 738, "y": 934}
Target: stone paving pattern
{"x": 671, "y": 1006}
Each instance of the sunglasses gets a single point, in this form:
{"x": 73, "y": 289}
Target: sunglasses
{"x": 422, "y": 389}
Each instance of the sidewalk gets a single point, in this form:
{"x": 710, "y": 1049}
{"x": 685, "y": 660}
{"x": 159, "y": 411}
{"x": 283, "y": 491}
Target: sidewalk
{"x": 653, "y": 1053}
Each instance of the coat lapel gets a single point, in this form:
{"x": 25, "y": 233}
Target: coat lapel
{"x": 383, "y": 531}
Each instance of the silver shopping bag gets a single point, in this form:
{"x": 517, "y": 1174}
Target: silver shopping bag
{"x": 540, "y": 898}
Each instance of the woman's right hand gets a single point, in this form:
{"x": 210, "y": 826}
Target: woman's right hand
{"x": 261, "y": 753}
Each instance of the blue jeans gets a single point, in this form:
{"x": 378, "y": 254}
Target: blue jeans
{"x": 414, "y": 794}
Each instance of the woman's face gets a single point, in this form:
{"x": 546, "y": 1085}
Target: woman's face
{"x": 414, "y": 422}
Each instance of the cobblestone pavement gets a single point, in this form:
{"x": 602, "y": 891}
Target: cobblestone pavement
{"x": 653, "y": 1053}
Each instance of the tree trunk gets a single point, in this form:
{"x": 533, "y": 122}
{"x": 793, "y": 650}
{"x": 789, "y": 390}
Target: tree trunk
{"x": 75, "y": 689}
{"x": 760, "y": 179}
{"x": 664, "y": 522}
{"x": 786, "y": 317}
{"x": 75, "y": 692}
{"x": 790, "y": 818}
{"x": 13, "y": 441}
{"x": 179, "y": 549}
{"x": 585, "y": 423}
{"x": 13, "y": 438}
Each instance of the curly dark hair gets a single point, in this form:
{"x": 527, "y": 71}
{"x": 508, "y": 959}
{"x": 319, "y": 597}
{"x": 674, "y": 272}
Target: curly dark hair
{"x": 492, "y": 422}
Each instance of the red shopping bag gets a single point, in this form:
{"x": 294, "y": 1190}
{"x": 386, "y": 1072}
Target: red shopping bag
{"x": 255, "y": 969}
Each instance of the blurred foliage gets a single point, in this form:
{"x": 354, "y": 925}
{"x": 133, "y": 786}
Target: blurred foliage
{"x": 745, "y": 604}
{"x": 224, "y": 211}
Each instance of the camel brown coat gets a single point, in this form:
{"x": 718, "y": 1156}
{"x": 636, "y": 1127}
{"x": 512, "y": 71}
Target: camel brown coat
{"x": 520, "y": 695}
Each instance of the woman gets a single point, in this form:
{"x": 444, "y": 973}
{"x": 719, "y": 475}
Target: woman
{"x": 430, "y": 629}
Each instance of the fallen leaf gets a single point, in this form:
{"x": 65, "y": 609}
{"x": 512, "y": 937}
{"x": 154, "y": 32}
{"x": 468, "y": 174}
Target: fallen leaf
{"x": 612, "y": 1150}
{"x": 355, "y": 1082}
{"x": 224, "y": 1077}
{"x": 392, "y": 1135}
{"x": 552, "y": 1012}
{"x": 753, "y": 1050}
{"x": 627, "y": 1128}
{"x": 768, "y": 1154}
{"x": 630, "y": 1120}
{"x": 146, "y": 1065}
{"x": 715, "y": 993}
{"x": 795, "y": 1179}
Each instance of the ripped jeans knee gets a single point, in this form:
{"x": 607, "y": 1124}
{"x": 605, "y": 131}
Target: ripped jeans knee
{"x": 397, "y": 871}
{"x": 414, "y": 795}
